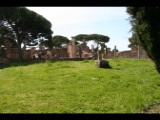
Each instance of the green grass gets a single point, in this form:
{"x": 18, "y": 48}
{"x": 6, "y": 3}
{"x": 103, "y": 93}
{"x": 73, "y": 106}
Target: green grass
{"x": 79, "y": 87}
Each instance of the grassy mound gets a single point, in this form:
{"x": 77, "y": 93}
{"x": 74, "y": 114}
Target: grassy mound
{"x": 130, "y": 86}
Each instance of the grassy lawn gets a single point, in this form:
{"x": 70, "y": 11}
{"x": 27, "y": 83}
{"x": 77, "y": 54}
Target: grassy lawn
{"x": 79, "y": 87}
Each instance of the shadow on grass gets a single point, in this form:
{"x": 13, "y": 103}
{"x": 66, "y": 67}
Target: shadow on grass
{"x": 103, "y": 64}
{"x": 25, "y": 63}
{"x": 105, "y": 68}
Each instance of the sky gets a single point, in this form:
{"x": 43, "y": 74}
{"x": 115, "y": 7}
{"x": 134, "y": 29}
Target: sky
{"x": 71, "y": 21}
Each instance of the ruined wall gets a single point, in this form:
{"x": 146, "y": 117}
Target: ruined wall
{"x": 61, "y": 52}
{"x": 132, "y": 54}
{"x": 108, "y": 53}
{"x": 71, "y": 49}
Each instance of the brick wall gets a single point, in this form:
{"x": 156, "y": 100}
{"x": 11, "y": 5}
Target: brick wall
{"x": 71, "y": 51}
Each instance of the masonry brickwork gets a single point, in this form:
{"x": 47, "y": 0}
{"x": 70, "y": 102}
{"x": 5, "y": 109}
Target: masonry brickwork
{"x": 70, "y": 51}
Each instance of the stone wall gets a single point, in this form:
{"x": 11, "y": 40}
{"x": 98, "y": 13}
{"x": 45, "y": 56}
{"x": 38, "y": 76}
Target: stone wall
{"x": 61, "y": 52}
{"x": 71, "y": 51}
{"x": 132, "y": 54}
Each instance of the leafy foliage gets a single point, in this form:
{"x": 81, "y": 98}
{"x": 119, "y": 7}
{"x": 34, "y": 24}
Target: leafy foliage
{"x": 145, "y": 23}
{"x": 134, "y": 42}
{"x": 95, "y": 37}
{"x": 57, "y": 41}
{"x": 24, "y": 26}
{"x": 5, "y": 34}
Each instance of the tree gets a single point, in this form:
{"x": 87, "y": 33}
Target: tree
{"x": 134, "y": 42}
{"x": 145, "y": 23}
{"x": 81, "y": 37}
{"x": 57, "y": 41}
{"x": 99, "y": 41}
{"x": 5, "y": 34}
{"x": 27, "y": 27}
{"x": 95, "y": 37}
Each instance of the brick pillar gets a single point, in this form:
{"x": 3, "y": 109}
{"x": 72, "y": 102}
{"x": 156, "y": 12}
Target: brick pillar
{"x": 32, "y": 51}
{"x": 8, "y": 51}
{"x": 71, "y": 49}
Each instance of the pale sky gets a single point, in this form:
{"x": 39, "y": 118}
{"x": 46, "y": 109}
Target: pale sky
{"x": 71, "y": 21}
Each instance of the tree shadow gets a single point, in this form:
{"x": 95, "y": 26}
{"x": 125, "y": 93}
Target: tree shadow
{"x": 24, "y": 63}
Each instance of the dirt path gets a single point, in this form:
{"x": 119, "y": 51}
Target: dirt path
{"x": 152, "y": 109}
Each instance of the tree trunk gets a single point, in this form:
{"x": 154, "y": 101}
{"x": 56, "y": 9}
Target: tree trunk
{"x": 80, "y": 54}
{"x": 99, "y": 55}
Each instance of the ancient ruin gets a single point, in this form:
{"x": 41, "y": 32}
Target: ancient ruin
{"x": 70, "y": 52}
